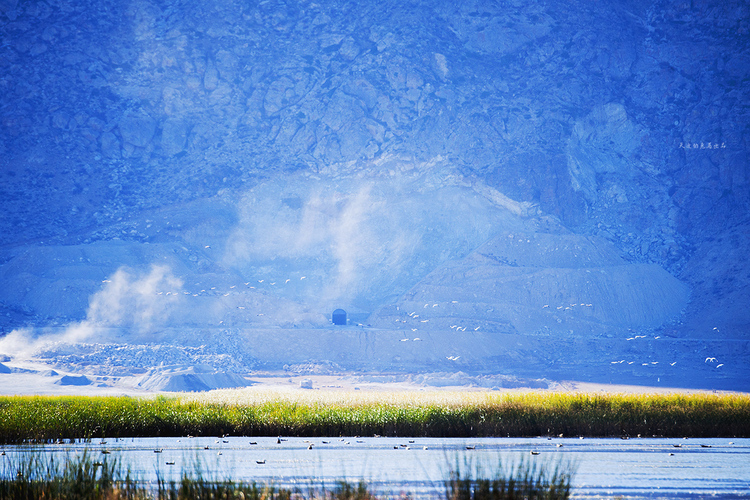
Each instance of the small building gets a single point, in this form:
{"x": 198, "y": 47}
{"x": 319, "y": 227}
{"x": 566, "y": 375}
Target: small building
{"x": 339, "y": 317}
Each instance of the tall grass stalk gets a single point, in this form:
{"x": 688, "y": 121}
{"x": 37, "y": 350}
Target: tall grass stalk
{"x": 526, "y": 479}
{"x": 37, "y": 476}
{"x": 34, "y": 476}
{"x": 318, "y": 413}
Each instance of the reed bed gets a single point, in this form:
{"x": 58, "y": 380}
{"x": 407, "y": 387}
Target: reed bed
{"x": 524, "y": 479}
{"x": 319, "y": 413}
{"x": 33, "y": 476}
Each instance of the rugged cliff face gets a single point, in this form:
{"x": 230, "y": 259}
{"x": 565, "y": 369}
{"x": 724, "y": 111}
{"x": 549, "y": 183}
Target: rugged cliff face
{"x": 366, "y": 145}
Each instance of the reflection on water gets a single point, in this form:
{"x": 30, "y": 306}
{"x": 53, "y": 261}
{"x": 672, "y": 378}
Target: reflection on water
{"x": 650, "y": 467}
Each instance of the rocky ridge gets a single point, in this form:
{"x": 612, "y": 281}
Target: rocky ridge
{"x": 621, "y": 121}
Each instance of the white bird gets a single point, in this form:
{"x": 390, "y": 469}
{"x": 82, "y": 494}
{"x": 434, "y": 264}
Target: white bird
{"x": 712, "y": 360}
{"x": 417, "y": 339}
{"x": 404, "y": 340}
{"x": 303, "y": 277}
{"x": 673, "y": 363}
{"x": 477, "y": 328}
{"x": 288, "y": 280}
{"x": 719, "y": 365}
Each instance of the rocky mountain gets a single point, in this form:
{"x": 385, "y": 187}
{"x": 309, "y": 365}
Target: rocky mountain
{"x": 252, "y": 165}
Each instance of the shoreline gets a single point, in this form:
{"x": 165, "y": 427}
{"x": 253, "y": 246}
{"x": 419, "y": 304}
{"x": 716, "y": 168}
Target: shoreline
{"x": 23, "y": 382}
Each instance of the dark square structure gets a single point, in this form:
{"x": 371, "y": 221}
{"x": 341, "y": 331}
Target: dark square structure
{"x": 339, "y": 317}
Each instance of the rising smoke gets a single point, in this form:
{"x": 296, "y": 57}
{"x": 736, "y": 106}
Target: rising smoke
{"x": 139, "y": 303}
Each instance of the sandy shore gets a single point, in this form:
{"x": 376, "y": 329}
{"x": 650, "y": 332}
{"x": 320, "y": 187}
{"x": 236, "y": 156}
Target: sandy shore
{"x": 268, "y": 382}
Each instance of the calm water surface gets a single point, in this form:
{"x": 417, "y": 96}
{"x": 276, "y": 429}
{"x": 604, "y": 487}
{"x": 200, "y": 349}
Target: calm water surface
{"x": 648, "y": 467}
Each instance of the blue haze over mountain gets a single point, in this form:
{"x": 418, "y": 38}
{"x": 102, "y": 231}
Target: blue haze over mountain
{"x": 538, "y": 190}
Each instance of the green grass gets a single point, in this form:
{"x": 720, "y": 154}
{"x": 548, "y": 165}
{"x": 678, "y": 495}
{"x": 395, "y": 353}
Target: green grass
{"x": 526, "y": 479}
{"x": 47, "y": 418}
{"x": 80, "y": 478}
{"x": 33, "y": 476}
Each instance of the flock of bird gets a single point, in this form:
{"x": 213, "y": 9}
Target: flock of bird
{"x": 414, "y": 316}
{"x": 710, "y": 359}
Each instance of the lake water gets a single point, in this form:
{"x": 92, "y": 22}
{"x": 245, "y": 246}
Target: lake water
{"x": 642, "y": 467}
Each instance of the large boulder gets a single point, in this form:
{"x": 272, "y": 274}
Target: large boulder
{"x": 137, "y": 129}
